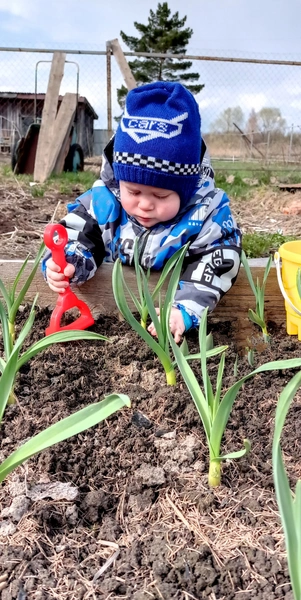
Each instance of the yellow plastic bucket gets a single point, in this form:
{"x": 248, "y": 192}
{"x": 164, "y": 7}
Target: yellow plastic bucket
{"x": 290, "y": 254}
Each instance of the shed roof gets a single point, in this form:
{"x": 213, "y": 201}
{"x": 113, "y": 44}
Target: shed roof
{"x": 31, "y": 96}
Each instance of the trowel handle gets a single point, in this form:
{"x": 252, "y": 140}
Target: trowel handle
{"x": 56, "y": 238}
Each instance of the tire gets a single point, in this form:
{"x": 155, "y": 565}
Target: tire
{"x": 14, "y": 154}
{"x": 74, "y": 160}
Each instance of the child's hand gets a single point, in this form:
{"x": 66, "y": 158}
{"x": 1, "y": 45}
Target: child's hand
{"x": 55, "y": 277}
{"x": 176, "y": 324}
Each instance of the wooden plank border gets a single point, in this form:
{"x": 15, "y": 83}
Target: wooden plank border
{"x": 98, "y": 291}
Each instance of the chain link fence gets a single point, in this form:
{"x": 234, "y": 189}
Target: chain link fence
{"x": 250, "y": 106}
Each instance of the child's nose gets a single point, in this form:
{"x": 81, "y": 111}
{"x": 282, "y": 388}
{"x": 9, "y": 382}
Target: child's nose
{"x": 145, "y": 203}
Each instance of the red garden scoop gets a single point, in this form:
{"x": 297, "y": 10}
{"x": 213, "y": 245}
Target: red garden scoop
{"x": 55, "y": 238}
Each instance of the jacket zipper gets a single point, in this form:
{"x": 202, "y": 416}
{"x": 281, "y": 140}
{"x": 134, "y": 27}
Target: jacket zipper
{"x": 142, "y": 243}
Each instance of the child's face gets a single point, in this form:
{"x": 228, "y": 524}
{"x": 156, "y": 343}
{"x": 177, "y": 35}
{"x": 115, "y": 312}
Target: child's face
{"x": 149, "y": 205}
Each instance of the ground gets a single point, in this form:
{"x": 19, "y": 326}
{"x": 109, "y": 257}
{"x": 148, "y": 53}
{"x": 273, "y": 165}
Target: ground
{"x": 26, "y": 210}
{"x": 269, "y": 210}
{"x": 123, "y": 510}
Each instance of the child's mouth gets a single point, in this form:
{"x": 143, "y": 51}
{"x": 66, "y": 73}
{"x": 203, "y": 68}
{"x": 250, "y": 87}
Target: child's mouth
{"x": 144, "y": 219}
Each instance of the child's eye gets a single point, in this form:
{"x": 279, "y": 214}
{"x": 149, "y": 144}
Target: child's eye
{"x": 161, "y": 197}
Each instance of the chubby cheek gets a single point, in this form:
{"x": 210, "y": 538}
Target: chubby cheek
{"x": 168, "y": 212}
{"x": 129, "y": 204}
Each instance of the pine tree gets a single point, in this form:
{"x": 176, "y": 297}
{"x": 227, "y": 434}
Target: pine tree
{"x": 164, "y": 34}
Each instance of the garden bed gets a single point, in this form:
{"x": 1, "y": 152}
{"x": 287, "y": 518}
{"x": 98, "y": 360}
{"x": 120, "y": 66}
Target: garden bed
{"x": 135, "y": 487}
{"x": 130, "y": 496}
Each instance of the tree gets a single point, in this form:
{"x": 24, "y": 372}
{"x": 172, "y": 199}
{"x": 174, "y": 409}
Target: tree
{"x": 253, "y": 129}
{"x": 164, "y": 34}
{"x": 252, "y": 123}
{"x": 270, "y": 119}
{"x": 225, "y": 122}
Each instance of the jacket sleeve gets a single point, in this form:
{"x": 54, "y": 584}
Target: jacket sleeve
{"x": 85, "y": 248}
{"x": 212, "y": 264}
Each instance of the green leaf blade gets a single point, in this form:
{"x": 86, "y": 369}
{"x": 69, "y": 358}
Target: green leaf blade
{"x": 7, "y": 380}
{"x": 193, "y": 387}
{"x": 237, "y": 454}
{"x": 64, "y": 429}
{"x": 282, "y": 489}
{"x": 123, "y": 307}
{"x": 20, "y": 298}
{"x": 59, "y": 338}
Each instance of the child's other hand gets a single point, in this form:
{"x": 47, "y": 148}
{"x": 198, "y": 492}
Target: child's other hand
{"x": 176, "y": 325}
{"x": 55, "y": 277}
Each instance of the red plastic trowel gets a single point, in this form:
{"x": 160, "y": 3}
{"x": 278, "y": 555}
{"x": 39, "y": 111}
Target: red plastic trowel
{"x": 55, "y": 238}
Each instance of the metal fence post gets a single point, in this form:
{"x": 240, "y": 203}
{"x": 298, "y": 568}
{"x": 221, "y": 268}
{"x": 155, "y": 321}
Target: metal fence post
{"x": 109, "y": 89}
{"x": 268, "y": 147}
{"x": 291, "y": 143}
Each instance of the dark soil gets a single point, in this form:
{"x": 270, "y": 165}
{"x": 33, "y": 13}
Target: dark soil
{"x": 25, "y": 214}
{"x": 134, "y": 488}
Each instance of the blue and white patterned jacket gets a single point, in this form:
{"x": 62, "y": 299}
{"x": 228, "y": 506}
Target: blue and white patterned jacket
{"x": 100, "y": 230}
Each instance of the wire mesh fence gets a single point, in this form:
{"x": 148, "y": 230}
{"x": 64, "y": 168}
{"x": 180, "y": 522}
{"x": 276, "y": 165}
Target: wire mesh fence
{"x": 250, "y": 106}
{"x": 269, "y": 146}
{"x": 23, "y": 85}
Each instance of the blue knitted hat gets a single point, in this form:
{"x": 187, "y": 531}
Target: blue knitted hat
{"x": 158, "y": 140}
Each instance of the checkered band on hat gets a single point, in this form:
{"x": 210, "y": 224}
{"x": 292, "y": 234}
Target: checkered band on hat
{"x": 150, "y": 162}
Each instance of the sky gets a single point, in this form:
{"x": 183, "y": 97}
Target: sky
{"x": 263, "y": 29}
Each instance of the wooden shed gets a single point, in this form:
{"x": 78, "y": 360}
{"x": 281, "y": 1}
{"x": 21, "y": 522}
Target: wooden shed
{"x": 18, "y": 110}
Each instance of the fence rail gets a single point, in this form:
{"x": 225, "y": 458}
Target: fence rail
{"x": 245, "y": 85}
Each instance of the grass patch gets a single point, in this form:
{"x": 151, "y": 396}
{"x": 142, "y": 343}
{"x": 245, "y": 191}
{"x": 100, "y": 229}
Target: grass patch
{"x": 258, "y": 245}
{"x": 237, "y": 187}
{"x": 283, "y": 173}
{"x": 241, "y": 168}
{"x": 5, "y": 170}
{"x": 240, "y": 183}
{"x": 67, "y": 181}
{"x": 37, "y": 191}
{"x": 64, "y": 183}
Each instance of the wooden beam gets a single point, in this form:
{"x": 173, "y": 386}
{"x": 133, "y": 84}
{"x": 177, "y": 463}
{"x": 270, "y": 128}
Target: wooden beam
{"x": 97, "y": 292}
{"x": 41, "y": 171}
{"x": 61, "y": 133}
{"x": 289, "y": 186}
{"x": 249, "y": 143}
{"x": 126, "y": 72}
{"x": 232, "y": 308}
